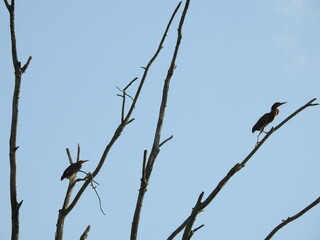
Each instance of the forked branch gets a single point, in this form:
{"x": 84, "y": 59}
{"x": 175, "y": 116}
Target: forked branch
{"x": 148, "y": 166}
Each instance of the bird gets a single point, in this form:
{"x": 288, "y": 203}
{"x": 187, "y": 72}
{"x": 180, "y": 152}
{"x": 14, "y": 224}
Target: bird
{"x": 72, "y": 169}
{"x": 266, "y": 119}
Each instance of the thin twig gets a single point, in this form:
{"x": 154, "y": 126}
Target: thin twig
{"x": 85, "y": 233}
{"x": 144, "y": 165}
{"x": 131, "y": 120}
{"x": 123, "y": 105}
{"x": 124, "y": 94}
{"x": 194, "y": 230}
{"x": 69, "y": 155}
{"x": 132, "y": 81}
{"x": 88, "y": 174}
{"x": 166, "y": 140}
{"x": 24, "y": 68}
{"x": 294, "y": 217}
{"x": 100, "y": 203}
{"x": 78, "y": 153}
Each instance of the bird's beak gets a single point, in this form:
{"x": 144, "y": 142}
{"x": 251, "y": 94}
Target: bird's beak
{"x": 282, "y": 103}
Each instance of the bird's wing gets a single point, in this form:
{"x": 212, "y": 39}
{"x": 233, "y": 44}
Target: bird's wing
{"x": 261, "y": 123}
{"x": 72, "y": 169}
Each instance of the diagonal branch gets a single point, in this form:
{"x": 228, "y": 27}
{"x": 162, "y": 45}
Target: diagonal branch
{"x": 199, "y": 207}
{"x": 85, "y": 233}
{"x": 7, "y": 5}
{"x": 294, "y": 217}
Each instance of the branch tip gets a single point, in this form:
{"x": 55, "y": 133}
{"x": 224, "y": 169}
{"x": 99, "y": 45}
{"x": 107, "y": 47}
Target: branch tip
{"x": 85, "y": 233}
{"x": 166, "y": 140}
{"x": 19, "y": 204}
{"x": 196, "y": 229}
{"x": 24, "y": 68}
{"x": 132, "y": 81}
{"x": 131, "y": 120}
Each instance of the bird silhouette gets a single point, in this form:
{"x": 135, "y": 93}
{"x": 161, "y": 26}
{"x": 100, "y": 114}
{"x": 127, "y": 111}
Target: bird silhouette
{"x": 73, "y": 169}
{"x": 266, "y": 119}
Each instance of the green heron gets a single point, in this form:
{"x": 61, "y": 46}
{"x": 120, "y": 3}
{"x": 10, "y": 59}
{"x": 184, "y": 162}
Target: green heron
{"x": 72, "y": 169}
{"x": 266, "y": 119}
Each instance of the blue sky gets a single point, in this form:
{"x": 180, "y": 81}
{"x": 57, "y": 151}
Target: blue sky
{"x": 236, "y": 59}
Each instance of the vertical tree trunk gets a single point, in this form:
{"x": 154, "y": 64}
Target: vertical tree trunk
{"x": 18, "y": 71}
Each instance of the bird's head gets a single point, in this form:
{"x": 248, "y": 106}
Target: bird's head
{"x": 276, "y": 105}
{"x": 82, "y": 161}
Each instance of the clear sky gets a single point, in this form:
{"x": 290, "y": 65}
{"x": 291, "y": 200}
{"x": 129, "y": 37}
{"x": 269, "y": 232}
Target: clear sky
{"x": 236, "y": 59}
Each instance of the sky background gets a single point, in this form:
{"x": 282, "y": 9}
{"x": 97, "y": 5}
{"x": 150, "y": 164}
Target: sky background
{"x": 236, "y": 59}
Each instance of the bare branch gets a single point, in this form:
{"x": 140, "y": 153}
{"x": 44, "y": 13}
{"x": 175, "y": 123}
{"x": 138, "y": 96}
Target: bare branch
{"x": 24, "y": 68}
{"x": 194, "y": 230}
{"x": 90, "y": 178}
{"x": 195, "y": 211}
{"x": 144, "y": 165}
{"x": 156, "y": 146}
{"x": 85, "y": 233}
{"x": 272, "y": 130}
{"x": 131, "y": 120}
{"x": 230, "y": 174}
{"x": 78, "y": 153}
{"x": 124, "y": 94}
{"x": 132, "y": 81}
{"x": 166, "y": 140}
{"x": 290, "y": 219}
{"x": 123, "y": 105}
{"x": 7, "y": 5}
{"x": 69, "y": 155}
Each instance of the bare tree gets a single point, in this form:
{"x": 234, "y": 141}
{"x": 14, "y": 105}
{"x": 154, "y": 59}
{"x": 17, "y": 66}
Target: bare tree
{"x": 148, "y": 161}
{"x": 18, "y": 71}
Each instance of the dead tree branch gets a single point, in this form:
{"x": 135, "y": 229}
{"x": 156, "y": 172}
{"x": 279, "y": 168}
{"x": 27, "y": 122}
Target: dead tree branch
{"x": 294, "y": 217}
{"x": 187, "y": 224}
{"x": 124, "y": 94}
{"x": 18, "y": 71}
{"x": 146, "y": 173}
{"x": 85, "y": 233}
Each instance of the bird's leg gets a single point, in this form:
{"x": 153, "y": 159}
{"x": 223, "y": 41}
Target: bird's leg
{"x": 258, "y": 137}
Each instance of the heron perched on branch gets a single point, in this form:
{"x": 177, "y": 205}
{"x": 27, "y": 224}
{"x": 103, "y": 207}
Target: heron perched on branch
{"x": 266, "y": 119}
{"x": 73, "y": 169}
